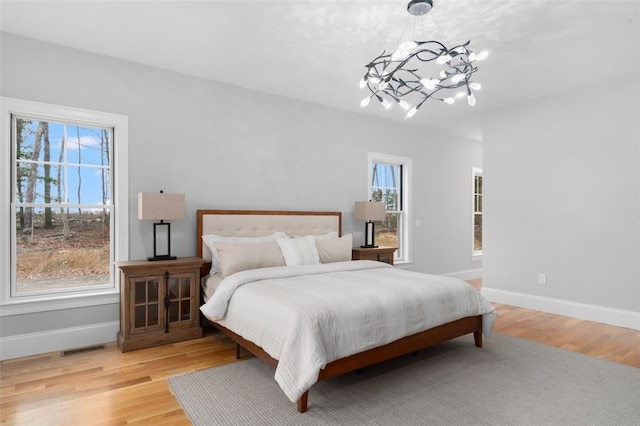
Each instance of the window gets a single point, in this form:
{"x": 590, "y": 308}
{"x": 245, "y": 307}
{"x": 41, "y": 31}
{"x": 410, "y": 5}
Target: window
{"x": 477, "y": 211}
{"x": 389, "y": 178}
{"x": 64, "y": 228}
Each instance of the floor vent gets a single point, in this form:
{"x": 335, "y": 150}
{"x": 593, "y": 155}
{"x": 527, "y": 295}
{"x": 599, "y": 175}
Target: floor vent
{"x": 83, "y": 350}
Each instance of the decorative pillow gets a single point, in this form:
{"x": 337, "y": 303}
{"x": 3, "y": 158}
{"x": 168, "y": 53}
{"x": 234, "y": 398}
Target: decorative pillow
{"x": 329, "y": 235}
{"x": 299, "y": 250}
{"x": 211, "y": 239}
{"x": 335, "y": 250}
{"x": 236, "y": 257}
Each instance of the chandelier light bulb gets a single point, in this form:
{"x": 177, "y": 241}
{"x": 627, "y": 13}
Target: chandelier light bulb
{"x": 383, "y": 85}
{"x": 482, "y": 55}
{"x": 404, "y": 105}
{"x": 412, "y": 112}
{"x": 471, "y": 99}
{"x": 429, "y": 83}
{"x": 399, "y": 55}
{"x": 475, "y": 86}
{"x": 365, "y": 102}
{"x": 386, "y": 104}
{"x": 457, "y": 78}
{"x": 443, "y": 59}
{"x": 408, "y": 45}
{"x": 449, "y": 101}
{"x": 362, "y": 83}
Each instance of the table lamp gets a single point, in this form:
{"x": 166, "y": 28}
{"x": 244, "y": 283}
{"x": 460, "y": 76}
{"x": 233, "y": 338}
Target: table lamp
{"x": 370, "y": 211}
{"x": 161, "y": 206}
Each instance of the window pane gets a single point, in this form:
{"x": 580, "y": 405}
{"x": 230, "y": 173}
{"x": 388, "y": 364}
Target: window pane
{"x": 72, "y": 161}
{"x": 478, "y": 184}
{"x": 61, "y": 248}
{"x": 477, "y": 233}
{"x": 387, "y": 231}
{"x": 477, "y": 204}
{"x": 67, "y": 143}
{"x": 385, "y": 184}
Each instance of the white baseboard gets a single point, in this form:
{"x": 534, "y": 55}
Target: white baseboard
{"x": 602, "y": 314}
{"x": 57, "y": 340}
{"x": 469, "y": 274}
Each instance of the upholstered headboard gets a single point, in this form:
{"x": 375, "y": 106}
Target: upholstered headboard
{"x": 256, "y": 223}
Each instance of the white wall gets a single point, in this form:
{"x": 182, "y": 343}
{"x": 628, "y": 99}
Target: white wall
{"x": 226, "y": 147}
{"x": 562, "y": 197}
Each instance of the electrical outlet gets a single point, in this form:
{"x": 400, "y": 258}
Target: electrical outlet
{"x": 542, "y": 279}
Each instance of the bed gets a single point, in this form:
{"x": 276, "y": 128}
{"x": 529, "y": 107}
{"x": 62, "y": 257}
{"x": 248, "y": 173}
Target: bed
{"x": 281, "y": 285}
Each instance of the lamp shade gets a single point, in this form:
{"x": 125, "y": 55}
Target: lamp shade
{"x": 160, "y": 206}
{"x": 370, "y": 210}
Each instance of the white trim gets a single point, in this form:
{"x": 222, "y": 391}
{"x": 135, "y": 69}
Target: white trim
{"x": 602, "y": 314}
{"x": 120, "y": 207}
{"x": 57, "y": 340}
{"x": 470, "y": 274}
{"x": 60, "y": 302}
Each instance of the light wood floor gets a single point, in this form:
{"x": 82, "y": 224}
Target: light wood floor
{"x": 109, "y": 387}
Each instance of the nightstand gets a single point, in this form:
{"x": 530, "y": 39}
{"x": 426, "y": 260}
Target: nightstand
{"x": 159, "y": 302}
{"x": 381, "y": 254}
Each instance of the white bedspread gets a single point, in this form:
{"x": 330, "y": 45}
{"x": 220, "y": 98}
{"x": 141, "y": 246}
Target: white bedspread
{"x": 308, "y": 316}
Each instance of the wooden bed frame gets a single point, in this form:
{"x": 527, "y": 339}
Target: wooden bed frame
{"x": 354, "y": 362}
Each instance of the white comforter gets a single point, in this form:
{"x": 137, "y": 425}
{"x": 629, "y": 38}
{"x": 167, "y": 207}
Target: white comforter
{"x": 308, "y": 316}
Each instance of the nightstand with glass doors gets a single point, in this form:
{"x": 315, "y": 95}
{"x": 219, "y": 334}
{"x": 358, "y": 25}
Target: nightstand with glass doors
{"x": 159, "y": 302}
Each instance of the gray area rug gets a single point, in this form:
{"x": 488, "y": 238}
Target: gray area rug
{"x": 509, "y": 381}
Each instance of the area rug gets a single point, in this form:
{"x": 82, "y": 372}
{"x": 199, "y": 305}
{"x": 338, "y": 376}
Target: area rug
{"x": 509, "y": 382}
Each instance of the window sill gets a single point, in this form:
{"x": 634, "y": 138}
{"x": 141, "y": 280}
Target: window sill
{"x": 60, "y": 302}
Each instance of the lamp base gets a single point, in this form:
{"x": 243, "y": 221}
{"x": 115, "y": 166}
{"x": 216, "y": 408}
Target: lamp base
{"x": 164, "y": 257}
{"x": 369, "y": 235}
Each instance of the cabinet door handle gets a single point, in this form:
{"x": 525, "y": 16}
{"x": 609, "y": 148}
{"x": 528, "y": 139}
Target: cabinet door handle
{"x": 167, "y": 301}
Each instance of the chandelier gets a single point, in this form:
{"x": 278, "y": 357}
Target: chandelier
{"x": 421, "y": 70}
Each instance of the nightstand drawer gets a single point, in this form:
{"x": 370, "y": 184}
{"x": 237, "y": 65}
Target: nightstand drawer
{"x": 380, "y": 254}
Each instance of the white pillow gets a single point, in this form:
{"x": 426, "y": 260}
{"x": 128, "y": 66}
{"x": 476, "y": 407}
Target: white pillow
{"x": 299, "y": 250}
{"x": 335, "y": 250}
{"x": 211, "y": 239}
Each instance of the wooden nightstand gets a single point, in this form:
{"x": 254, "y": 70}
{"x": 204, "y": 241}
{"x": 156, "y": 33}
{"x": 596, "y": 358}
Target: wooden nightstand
{"x": 381, "y": 254}
{"x": 159, "y": 302}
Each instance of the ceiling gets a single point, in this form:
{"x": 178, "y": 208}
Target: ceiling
{"x": 315, "y": 50}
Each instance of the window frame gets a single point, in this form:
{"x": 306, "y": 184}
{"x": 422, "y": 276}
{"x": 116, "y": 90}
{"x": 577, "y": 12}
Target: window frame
{"x": 27, "y": 303}
{"x": 475, "y": 172}
{"x": 403, "y": 254}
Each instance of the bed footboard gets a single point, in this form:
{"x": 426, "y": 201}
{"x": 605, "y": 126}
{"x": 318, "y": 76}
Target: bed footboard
{"x": 386, "y": 352}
